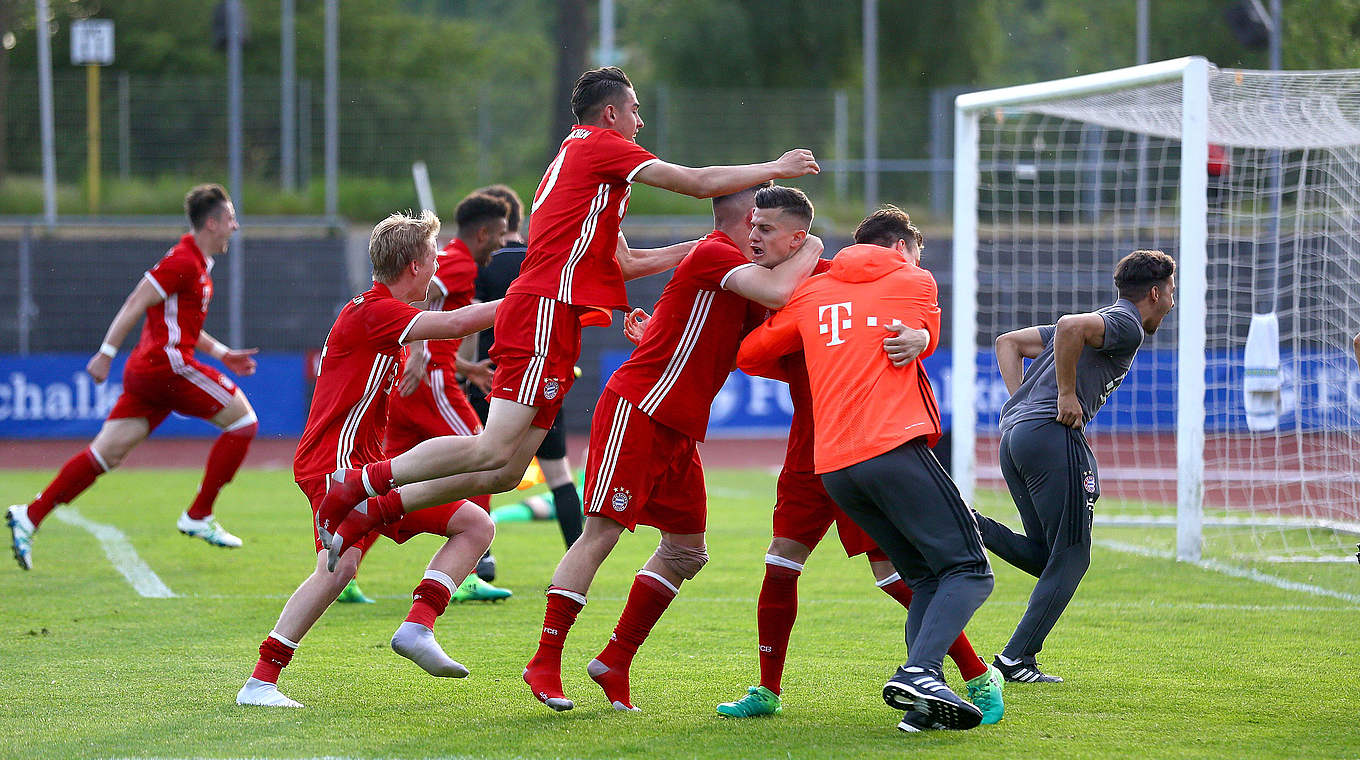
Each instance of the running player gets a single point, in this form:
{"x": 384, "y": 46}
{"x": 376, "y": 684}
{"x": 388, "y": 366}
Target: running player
{"x": 345, "y": 429}
{"x": 428, "y": 401}
{"x": 1048, "y": 466}
{"x": 162, "y": 376}
{"x": 572, "y": 277}
{"x": 803, "y": 511}
{"x": 643, "y": 466}
{"x": 874, "y": 424}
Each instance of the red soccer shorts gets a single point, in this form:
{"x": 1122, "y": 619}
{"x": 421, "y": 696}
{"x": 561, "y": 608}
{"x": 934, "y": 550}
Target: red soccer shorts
{"x": 154, "y": 391}
{"x": 538, "y": 341}
{"x": 432, "y": 520}
{"x": 640, "y": 472}
{"x": 803, "y": 511}
{"x": 438, "y": 407}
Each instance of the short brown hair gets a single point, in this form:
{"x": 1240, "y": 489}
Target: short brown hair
{"x": 888, "y": 225}
{"x": 511, "y": 198}
{"x": 399, "y": 240}
{"x": 478, "y": 209}
{"x": 789, "y": 200}
{"x": 595, "y": 89}
{"x": 1136, "y": 273}
{"x": 204, "y": 201}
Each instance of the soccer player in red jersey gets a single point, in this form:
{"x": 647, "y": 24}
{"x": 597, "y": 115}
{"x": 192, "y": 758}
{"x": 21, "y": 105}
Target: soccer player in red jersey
{"x": 163, "y": 376}
{"x": 428, "y": 401}
{"x": 345, "y": 429}
{"x": 572, "y": 277}
{"x": 803, "y": 511}
{"x": 643, "y": 466}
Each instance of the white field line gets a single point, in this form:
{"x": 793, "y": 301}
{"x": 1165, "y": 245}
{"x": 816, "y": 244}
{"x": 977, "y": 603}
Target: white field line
{"x": 120, "y": 552}
{"x": 1234, "y": 571}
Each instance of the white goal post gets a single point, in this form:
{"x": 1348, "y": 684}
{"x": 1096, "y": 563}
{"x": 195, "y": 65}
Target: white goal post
{"x": 1054, "y": 181}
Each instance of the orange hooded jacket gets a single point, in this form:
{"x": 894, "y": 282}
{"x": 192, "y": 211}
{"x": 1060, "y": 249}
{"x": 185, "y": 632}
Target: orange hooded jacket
{"x": 862, "y": 405}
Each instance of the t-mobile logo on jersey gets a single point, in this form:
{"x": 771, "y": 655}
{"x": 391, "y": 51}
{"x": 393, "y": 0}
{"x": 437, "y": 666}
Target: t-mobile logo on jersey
{"x": 835, "y": 323}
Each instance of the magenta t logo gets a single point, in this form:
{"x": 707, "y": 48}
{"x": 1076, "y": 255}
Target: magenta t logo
{"x": 835, "y": 323}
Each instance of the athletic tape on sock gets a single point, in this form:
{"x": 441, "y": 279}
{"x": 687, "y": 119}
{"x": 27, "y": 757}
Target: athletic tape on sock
{"x": 441, "y": 578}
{"x": 99, "y": 460}
{"x": 891, "y": 579}
{"x": 246, "y": 420}
{"x": 572, "y": 595}
{"x": 279, "y": 638}
{"x": 367, "y": 485}
{"x": 778, "y": 561}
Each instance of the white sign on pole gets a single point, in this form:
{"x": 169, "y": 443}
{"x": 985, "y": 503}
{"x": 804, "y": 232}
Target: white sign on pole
{"x": 92, "y": 42}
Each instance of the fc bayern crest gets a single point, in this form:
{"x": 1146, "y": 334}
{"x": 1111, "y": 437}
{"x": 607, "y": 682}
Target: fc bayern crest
{"x": 550, "y": 388}
{"x": 1089, "y": 481}
{"x": 620, "y": 499}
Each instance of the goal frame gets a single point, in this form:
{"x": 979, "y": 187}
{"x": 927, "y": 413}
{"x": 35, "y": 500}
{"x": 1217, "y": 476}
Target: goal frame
{"x": 1191, "y": 269}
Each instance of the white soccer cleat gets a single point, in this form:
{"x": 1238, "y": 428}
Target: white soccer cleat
{"x": 263, "y": 694}
{"x": 207, "y": 529}
{"x": 416, "y": 643}
{"x": 21, "y": 535}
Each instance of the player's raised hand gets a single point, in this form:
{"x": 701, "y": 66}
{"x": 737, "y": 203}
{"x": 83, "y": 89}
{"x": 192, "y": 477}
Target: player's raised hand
{"x": 796, "y": 163}
{"x": 635, "y": 324}
{"x": 241, "y": 361}
{"x": 1069, "y": 410}
{"x": 905, "y": 343}
{"x": 98, "y": 367}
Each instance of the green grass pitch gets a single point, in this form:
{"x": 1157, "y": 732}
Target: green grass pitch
{"x": 1161, "y": 660}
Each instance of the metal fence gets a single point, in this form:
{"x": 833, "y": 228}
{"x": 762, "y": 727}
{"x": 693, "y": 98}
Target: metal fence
{"x": 471, "y": 133}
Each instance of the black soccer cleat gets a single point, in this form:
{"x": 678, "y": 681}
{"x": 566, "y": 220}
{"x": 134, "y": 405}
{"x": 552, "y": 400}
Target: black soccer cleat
{"x": 1025, "y": 671}
{"x": 929, "y": 703}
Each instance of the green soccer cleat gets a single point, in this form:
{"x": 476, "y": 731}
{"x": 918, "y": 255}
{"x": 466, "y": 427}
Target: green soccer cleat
{"x": 758, "y": 701}
{"x": 353, "y": 594}
{"x": 985, "y": 692}
{"x": 475, "y": 589}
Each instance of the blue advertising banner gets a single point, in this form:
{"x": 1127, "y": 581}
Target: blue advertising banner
{"x": 1320, "y": 390}
{"x": 50, "y": 396}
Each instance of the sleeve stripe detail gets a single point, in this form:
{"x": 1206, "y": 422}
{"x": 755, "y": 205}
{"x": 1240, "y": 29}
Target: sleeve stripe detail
{"x": 409, "y": 325}
{"x": 155, "y": 284}
{"x": 640, "y": 167}
{"x": 438, "y": 283}
{"x": 733, "y": 270}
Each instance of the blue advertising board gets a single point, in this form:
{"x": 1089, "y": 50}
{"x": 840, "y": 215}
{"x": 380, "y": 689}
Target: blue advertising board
{"x": 50, "y": 396}
{"x": 1320, "y": 390}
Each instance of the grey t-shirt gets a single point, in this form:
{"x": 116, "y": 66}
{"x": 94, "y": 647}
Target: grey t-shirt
{"x": 1099, "y": 370}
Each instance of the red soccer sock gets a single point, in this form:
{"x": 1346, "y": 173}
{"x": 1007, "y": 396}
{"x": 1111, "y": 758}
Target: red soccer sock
{"x": 647, "y": 601}
{"x": 961, "y": 652}
{"x": 74, "y": 477}
{"x": 275, "y": 654}
{"x": 776, "y": 611}
{"x": 379, "y": 476}
{"x": 430, "y": 598}
{"x": 544, "y": 671}
{"x": 223, "y": 462}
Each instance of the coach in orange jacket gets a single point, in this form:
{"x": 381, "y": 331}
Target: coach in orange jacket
{"x": 875, "y": 423}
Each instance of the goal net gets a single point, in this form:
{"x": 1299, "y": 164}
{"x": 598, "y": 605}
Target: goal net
{"x": 1235, "y": 437}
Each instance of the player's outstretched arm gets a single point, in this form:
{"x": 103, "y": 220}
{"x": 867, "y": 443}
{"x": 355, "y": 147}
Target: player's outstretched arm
{"x": 641, "y": 262}
{"x": 772, "y": 288}
{"x": 762, "y": 349}
{"x": 142, "y": 297}
{"x": 712, "y": 181}
{"x": 459, "y": 323}
{"x": 239, "y": 361}
{"x": 1074, "y": 332}
{"x": 1012, "y": 349}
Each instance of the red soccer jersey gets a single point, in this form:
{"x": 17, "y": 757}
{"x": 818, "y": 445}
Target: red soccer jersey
{"x": 456, "y": 280}
{"x": 358, "y": 367}
{"x": 690, "y": 346}
{"x": 172, "y": 326}
{"x": 577, "y": 210}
